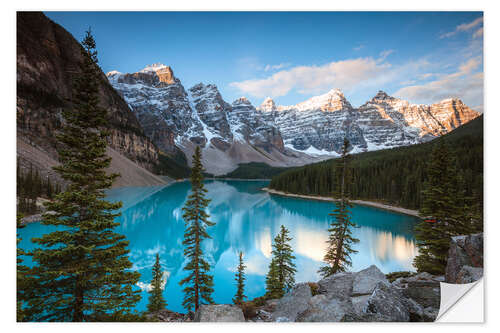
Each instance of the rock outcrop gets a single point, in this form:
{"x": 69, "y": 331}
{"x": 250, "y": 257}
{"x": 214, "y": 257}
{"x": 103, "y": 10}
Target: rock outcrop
{"x": 358, "y": 296}
{"x": 465, "y": 259}
{"x": 219, "y": 313}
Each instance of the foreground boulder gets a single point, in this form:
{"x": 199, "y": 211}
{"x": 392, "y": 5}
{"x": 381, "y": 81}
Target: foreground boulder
{"x": 219, "y": 313}
{"x": 339, "y": 284}
{"x": 465, "y": 259}
{"x": 294, "y": 302}
{"x": 322, "y": 308}
{"x": 365, "y": 281}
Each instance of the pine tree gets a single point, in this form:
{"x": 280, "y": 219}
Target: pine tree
{"x": 281, "y": 275}
{"x": 199, "y": 284}
{"x": 82, "y": 272}
{"x": 443, "y": 201}
{"x": 156, "y": 300}
{"x": 240, "y": 282}
{"x": 274, "y": 289}
{"x": 22, "y": 281}
{"x": 340, "y": 239}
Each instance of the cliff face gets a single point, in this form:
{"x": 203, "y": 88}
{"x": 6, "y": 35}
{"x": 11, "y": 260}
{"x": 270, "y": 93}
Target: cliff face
{"x": 319, "y": 124}
{"x": 178, "y": 118}
{"x": 47, "y": 60}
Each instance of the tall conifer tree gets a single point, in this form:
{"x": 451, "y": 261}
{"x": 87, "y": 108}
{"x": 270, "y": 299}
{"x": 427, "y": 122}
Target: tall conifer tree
{"x": 240, "y": 282}
{"x": 199, "y": 283}
{"x": 82, "y": 271}
{"x": 156, "y": 300}
{"x": 443, "y": 202}
{"x": 340, "y": 239}
{"x": 281, "y": 275}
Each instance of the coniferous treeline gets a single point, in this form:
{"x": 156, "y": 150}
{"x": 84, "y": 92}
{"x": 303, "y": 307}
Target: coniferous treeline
{"x": 30, "y": 186}
{"x": 395, "y": 176}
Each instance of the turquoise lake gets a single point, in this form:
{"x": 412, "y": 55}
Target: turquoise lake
{"x": 247, "y": 220}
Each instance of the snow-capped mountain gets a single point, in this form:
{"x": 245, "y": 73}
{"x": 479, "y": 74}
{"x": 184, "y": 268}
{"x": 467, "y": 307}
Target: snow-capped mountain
{"x": 319, "y": 124}
{"x": 174, "y": 117}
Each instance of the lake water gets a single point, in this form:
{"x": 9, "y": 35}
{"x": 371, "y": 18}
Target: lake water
{"x": 247, "y": 220}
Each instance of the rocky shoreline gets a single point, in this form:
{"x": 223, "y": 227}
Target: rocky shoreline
{"x": 363, "y": 296}
{"x": 401, "y": 210}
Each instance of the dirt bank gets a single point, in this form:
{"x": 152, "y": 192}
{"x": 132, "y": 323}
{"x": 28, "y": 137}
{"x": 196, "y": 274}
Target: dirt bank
{"x": 357, "y": 202}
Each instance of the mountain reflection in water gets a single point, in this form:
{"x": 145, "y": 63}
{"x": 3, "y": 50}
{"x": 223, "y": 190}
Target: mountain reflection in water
{"x": 247, "y": 219}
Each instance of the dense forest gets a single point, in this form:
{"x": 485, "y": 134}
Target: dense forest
{"x": 254, "y": 170}
{"x": 30, "y": 186}
{"x": 395, "y": 176}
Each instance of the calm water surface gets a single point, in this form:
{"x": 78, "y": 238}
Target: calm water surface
{"x": 247, "y": 220}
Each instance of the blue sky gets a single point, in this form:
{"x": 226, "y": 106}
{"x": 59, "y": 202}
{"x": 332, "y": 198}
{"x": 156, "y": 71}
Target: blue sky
{"x": 423, "y": 57}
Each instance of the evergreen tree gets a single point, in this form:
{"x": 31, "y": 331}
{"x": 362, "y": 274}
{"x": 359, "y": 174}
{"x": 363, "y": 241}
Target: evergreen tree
{"x": 156, "y": 300}
{"x": 240, "y": 282}
{"x": 82, "y": 271}
{"x": 444, "y": 202}
{"x": 21, "y": 275}
{"x": 199, "y": 284}
{"x": 281, "y": 275}
{"x": 340, "y": 239}
{"x": 274, "y": 289}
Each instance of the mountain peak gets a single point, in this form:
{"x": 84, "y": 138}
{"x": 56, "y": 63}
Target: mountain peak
{"x": 381, "y": 95}
{"x": 333, "y": 100}
{"x": 154, "y": 67}
{"x": 335, "y": 92}
{"x": 242, "y": 100}
{"x": 268, "y": 105}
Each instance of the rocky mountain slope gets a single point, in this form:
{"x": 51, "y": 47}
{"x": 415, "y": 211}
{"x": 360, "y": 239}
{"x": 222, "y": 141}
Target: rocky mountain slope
{"x": 277, "y": 135}
{"x": 319, "y": 124}
{"x": 175, "y": 117}
{"x": 47, "y": 59}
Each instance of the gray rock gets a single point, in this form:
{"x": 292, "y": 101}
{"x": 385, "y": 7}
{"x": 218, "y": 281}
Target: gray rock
{"x": 324, "y": 309}
{"x": 365, "y": 281}
{"x": 359, "y": 303}
{"x": 464, "y": 251}
{"x": 426, "y": 293}
{"x": 430, "y": 314}
{"x": 293, "y": 303}
{"x": 219, "y": 313}
{"x": 388, "y": 302}
{"x": 469, "y": 274}
{"x": 338, "y": 285}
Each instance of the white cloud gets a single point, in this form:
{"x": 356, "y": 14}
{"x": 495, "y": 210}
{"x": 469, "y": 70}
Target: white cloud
{"x": 464, "y": 27}
{"x": 478, "y": 33}
{"x": 276, "y": 67}
{"x": 466, "y": 84}
{"x": 345, "y": 74}
{"x": 384, "y": 54}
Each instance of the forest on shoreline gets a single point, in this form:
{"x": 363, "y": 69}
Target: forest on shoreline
{"x": 394, "y": 176}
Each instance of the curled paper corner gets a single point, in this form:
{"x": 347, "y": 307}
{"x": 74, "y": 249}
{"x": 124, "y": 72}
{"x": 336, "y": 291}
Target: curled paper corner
{"x": 462, "y": 302}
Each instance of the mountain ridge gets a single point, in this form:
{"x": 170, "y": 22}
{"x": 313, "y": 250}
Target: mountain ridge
{"x": 279, "y": 135}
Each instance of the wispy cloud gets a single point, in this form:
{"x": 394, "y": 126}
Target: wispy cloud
{"x": 268, "y": 68}
{"x": 384, "y": 54}
{"x": 314, "y": 79}
{"x": 466, "y": 27}
{"x": 478, "y": 33}
{"x": 465, "y": 83}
